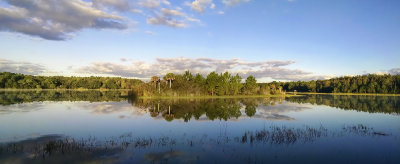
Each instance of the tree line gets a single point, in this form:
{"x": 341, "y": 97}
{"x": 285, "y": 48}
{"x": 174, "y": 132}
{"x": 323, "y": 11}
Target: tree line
{"x": 213, "y": 84}
{"x": 371, "y": 83}
{"x": 20, "y": 81}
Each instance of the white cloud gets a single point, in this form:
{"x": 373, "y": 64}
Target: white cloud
{"x": 55, "y": 20}
{"x": 212, "y": 6}
{"x": 266, "y": 69}
{"x": 122, "y": 5}
{"x": 166, "y": 2}
{"x": 21, "y": 67}
{"x": 201, "y": 5}
{"x": 172, "y": 18}
{"x": 63, "y": 19}
{"x": 136, "y": 11}
{"x": 170, "y": 12}
{"x": 233, "y": 2}
{"x": 162, "y": 20}
{"x": 221, "y": 12}
{"x": 150, "y": 3}
{"x": 394, "y": 71}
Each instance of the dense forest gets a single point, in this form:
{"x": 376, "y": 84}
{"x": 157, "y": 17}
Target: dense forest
{"x": 213, "y": 84}
{"x": 20, "y": 81}
{"x": 349, "y": 84}
{"x": 17, "y": 97}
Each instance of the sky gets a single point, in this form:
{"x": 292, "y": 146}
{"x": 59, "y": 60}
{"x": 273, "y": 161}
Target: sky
{"x": 282, "y": 40}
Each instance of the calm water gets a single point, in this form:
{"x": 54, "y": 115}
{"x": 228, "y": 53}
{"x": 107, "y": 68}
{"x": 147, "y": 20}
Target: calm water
{"x": 114, "y": 127}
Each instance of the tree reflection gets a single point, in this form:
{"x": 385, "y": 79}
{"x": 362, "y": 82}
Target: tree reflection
{"x": 17, "y": 97}
{"x": 371, "y": 104}
{"x": 213, "y": 109}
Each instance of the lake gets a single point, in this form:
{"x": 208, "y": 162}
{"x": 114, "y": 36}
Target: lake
{"x": 116, "y": 127}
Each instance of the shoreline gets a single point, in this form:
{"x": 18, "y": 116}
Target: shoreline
{"x": 207, "y": 97}
{"x": 346, "y": 94}
{"x": 7, "y": 89}
{"x": 288, "y": 94}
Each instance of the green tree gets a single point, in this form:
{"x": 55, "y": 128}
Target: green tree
{"x": 212, "y": 82}
{"x": 235, "y": 84}
{"x": 250, "y": 86}
{"x": 169, "y": 77}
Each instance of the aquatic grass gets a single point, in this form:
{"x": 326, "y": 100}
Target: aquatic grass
{"x": 284, "y": 135}
{"x": 51, "y": 147}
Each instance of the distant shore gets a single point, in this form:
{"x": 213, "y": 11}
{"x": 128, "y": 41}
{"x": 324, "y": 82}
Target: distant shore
{"x": 288, "y": 94}
{"x": 79, "y": 89}
{"x": 206, "y": 97}
{"x": 350, "y": 94}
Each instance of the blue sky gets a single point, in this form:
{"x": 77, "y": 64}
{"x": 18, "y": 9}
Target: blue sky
{"x": 272, "y": 39}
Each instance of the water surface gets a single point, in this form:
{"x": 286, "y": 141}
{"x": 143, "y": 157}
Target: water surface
{"x": 115, "y": 127}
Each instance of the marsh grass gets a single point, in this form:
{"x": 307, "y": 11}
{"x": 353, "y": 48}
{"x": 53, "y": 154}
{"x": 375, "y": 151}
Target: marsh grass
{"x": 52, "y": 148}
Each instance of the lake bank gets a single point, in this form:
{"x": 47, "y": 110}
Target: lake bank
{"x": 206, "y": 97}
{"x": 349, "y": 94}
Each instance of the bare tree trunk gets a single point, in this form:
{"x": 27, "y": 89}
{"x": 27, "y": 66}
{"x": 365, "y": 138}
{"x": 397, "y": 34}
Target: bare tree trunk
{"x": 170, "y": 82}
{"x": 159, "y": 89}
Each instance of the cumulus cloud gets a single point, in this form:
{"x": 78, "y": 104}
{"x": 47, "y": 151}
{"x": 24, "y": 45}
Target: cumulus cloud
{"x": 21, "y": 67}
{"x": 394, "y": 71}
{"x": 163, "y": 20}
{"x": 170, "y": 12}
{"x": 172, "y": 18}
{"x": 266, "y": 69}
{"x": 63, "y": 19}
{"x": 122, "y": 5}
{"x": 56, "y": 19}
{"x": 233, "y": 2}
{"x": 150, "y": 3}
{"x": 201, "y": 5}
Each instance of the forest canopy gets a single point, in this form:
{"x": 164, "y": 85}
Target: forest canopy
{"x": 213, "y": 84}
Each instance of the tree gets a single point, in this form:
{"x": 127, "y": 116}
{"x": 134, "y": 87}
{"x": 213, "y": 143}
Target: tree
{"x": 235, "y": 84}
{"x": 224, "y": 84}
{"x": 199, "y": 80}
{"x": 156, "y": 80}
{"x": 169, "y": 77}
{"x": 212, "y": 82}
{"x": 250, "y": 87}
{"x": 188, "y": 76}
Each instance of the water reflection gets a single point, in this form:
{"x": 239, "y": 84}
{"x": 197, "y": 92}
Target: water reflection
{"x": 246, "y": 130}
{"x": 371, "y": 104}
{"x": 228, "y": 107}
{"x": 126, "y": 148}
{"x": 17, "y": 97}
